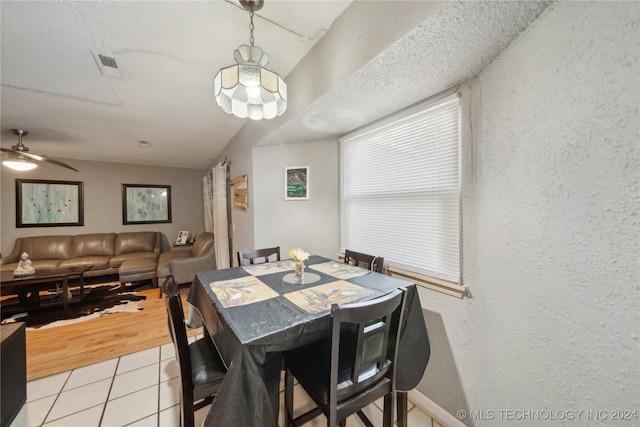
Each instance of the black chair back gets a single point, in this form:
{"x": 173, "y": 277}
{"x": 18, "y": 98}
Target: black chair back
{"x": 201, "y": 369}
{"x": 361, "y": 362}
{"x": 257, "y": 254}
{"x": 372, "y": 262}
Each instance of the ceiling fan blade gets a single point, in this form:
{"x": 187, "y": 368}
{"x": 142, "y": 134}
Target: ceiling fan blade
{"x": 55, "y": 162}
{"x": 39, "y": 158}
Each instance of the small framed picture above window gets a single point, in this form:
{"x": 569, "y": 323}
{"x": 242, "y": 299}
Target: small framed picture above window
{"x": 296, "y": 181}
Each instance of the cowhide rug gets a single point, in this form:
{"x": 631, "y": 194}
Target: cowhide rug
{"x": 99, "y": 300}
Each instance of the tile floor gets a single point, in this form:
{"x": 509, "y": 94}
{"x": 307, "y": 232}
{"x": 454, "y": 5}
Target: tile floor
{"x": 140, "y": 389}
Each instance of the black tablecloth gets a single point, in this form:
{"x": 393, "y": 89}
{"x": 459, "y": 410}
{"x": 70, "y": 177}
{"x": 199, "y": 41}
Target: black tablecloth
{"x": 251, "y": 339}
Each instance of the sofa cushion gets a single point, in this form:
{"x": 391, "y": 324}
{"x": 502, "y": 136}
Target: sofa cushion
{"x": 96, "y": 244}
{"x": 164, "y": 261}
{"x": 116, "y": 261}
{"x": 96, "y": 262}
{"x": 141, "y": 241}
{"x": 47, "y": 247}
{"x": 37, "y": 264}
{"x": 138, "y": 265}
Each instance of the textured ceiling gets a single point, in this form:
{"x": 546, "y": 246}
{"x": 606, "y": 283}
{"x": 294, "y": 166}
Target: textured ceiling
{"x": 168, "y": 53}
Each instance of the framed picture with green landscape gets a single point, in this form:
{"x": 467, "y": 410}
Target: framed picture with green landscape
{"x": 296, "y": 183}
{"x": 146, "y": 204}
{"x": 42, "y": 203}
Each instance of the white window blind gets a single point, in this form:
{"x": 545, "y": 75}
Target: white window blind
{"x": 400, "y": 191}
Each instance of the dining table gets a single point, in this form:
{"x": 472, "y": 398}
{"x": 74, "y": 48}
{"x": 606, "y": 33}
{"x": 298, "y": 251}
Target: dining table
{"x": 254, "y": 313}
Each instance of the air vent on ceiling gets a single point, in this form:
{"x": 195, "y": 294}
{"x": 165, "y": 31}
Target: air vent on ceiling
{"x": 107, "y": 64}
{"x": 108, "y": 61}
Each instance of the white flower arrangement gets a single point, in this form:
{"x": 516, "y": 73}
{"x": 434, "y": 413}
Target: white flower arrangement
{"x": 298, "y": 254}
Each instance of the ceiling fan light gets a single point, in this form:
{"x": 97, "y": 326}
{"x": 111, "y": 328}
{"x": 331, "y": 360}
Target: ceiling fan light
{"x": 19, "y": 165}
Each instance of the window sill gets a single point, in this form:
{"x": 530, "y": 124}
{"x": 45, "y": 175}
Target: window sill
{"x": 430, "y": 283}
{"x": 425, "y": 281}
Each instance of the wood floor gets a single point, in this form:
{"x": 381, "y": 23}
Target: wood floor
{"x": 55, "y": 350}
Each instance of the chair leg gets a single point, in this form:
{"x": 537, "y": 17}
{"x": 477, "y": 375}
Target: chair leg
{"x": 288, "y": 398}
{"x": 387, "y": 416}
{"x": 401, "y": 399}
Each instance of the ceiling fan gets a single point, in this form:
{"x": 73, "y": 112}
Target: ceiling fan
{"x": 20, "y": 158}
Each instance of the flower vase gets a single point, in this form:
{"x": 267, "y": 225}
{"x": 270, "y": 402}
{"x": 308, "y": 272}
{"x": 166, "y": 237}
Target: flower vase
{"x": 299, "y": 270}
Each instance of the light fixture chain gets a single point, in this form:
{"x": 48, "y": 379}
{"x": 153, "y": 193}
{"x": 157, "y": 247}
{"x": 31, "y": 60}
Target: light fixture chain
{"x": 251, "y": 27}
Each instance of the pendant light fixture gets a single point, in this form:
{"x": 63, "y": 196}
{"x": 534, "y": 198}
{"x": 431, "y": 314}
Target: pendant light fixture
{"x": 247, "y": 89}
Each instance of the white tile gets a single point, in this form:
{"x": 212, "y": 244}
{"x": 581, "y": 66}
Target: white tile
{"x": 170, "y": 417}
{"x": 130, "y": 408}
{"x": 47, "y": 386}
{"x": 200, "y": 415}
{"x": 134, "y": 380}
{"x": 167, "y": 351}
{"x": 79, "y": 399}
{"x": 372, "y": 412}
{"x": 169, "y": 369}
{"x": 416, "y": 417}
{"x": 91, "y": 373}
{"x": 170, "y": 392}
{"x": 87, "y": 418}
{"x": 32, "y": 413}
{"x": 150, "y": 421}
{"x": 138, "y": 360}
{"x": 82, "y": 404}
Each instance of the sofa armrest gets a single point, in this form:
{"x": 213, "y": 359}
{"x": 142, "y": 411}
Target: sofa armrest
{"x": 14, "y": 256}
{"x": 185, "y": 269}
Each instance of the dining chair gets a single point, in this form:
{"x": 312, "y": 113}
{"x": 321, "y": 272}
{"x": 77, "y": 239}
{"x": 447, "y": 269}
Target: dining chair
{"x": 371, "y": 262}
{"x": 201, "y": 369}
{"x": 353, "y": 367}
{"x": 258, "y": 253}
{"x": 376, "y": 264}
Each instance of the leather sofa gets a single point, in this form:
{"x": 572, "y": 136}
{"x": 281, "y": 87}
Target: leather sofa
{"x": 184, "y": 264}
{"x": 105, "y": 252}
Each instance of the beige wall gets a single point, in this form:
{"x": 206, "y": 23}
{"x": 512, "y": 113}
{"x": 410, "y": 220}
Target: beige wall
{"x": 103, "y": 199}
{"x": 311, "y": 224}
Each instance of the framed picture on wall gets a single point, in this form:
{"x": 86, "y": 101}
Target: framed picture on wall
{"x": 42, "y": 203}
{"x": 296, "y": 183}
{"x": 146, "y": 204}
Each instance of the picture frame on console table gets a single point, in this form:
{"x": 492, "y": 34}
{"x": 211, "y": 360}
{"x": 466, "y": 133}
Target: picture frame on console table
{"x": 146, "y": 204}
{"x": 296, "y": 183}
{"x": 45, "y": 203}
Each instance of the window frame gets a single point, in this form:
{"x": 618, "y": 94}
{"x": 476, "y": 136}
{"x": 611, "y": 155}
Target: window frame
{"x": 452, "y": 288}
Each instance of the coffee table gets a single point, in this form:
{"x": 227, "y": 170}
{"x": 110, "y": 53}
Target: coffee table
{"x": 44, "y": 278}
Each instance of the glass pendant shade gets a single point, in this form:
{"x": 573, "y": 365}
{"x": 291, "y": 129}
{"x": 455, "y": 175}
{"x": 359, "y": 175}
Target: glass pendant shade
{"x": 247, "y": 89}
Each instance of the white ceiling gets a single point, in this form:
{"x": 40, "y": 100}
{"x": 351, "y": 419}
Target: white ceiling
{"x": 169, "y": 51}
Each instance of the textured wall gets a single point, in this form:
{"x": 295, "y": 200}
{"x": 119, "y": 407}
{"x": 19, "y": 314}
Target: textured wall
{"x": 552, "y": 245}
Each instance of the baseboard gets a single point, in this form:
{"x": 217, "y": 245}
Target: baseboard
{"x": 434, "y": 410}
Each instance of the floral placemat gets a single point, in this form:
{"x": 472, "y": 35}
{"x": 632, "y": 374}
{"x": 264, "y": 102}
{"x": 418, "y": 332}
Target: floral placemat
{"x": 241, "y": 291}
{"x": 269, "y": 267}
{"x": 319, "y": 298}
{"x": 340, "y": 270}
